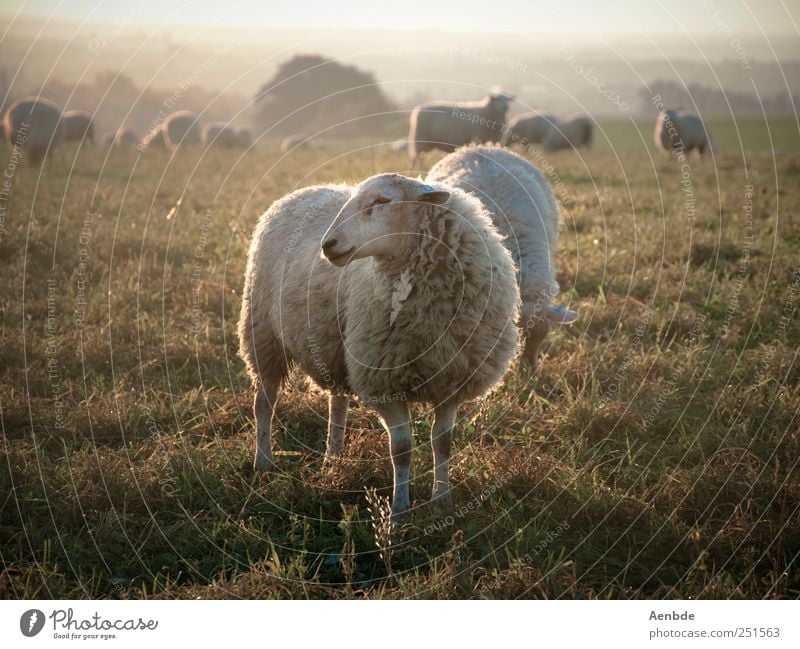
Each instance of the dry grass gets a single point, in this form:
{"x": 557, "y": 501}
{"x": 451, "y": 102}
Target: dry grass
{"x": 655, "y": 456}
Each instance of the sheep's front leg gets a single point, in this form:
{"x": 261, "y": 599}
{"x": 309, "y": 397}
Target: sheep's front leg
{"x": 441, "y": 440}
{"x": 337, "y": 420}
{"x": 263, "y": 408}
{"x": 395, "y": 419}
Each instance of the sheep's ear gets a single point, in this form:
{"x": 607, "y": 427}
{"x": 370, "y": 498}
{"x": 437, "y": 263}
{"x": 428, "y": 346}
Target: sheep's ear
{"x": 429, "y": 194}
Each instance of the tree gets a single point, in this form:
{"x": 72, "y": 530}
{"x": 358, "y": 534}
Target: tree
{"x": 310, "y": 93}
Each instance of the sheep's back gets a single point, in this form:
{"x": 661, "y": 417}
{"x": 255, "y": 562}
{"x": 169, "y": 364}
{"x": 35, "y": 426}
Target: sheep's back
{"x": 33, "y": 124}
{"x": 522, "y": 207}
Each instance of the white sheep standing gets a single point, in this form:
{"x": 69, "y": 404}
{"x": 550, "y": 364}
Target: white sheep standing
{"x": 572, "y": 132}
{"x": 449, "y": 125}
{"x": 414, "y": 299}
{"x": 33, "y": 124}
{"x": 524, "y": 210}
{"x": 78, "y": 125}
{"x": 528, "y": 128}
{"x": 677, "y": 131}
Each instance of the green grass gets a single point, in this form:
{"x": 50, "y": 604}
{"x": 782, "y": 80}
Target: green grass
{"x": 656, "y": 455}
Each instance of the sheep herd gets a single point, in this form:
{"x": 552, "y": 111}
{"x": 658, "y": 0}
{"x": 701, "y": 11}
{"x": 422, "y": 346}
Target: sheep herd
{"x": 396, "y": 290}
{"x": 37, "y": 126}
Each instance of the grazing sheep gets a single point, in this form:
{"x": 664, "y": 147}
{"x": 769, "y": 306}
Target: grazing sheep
{"x": 245, "y": 137}
{"x": 221, "y": 134}
{"x": 33, "y": 124}
{"x": 524, "y": 210}
{"x": 417, "y": 302}
{"x": 528, "y": 128}
{"x": 571, "y": 133}
{"x": 449, "y": 125}
{"x": 155, "y": 139}
{"x": 677, "y": 132}
{"x": 123, "y": 138}
{"x": 78, "y": 125}
{"x": 297, "y": 141}
{"x": 181, "y": 128}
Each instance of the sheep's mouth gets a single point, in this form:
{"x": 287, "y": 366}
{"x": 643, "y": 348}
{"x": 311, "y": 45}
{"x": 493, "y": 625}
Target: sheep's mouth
{"x": 341, "y": 258}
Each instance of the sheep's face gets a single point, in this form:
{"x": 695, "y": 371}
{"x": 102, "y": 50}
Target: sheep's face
{"x": 379, "y": 218}
{"x": 499, "y": 105}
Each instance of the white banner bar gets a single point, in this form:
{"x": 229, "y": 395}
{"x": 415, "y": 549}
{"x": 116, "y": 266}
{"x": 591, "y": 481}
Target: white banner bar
{"x": 401, "y": 624}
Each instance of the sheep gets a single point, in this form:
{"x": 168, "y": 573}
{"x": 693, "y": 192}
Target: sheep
{"x": 33, "y": 124}
{"x": 245, "y": 136}
{"x": 78, "y": 125}
{"x": 677, "y": 132}
{"x": 449, "y": 125}
{"x": 181, "y": 129}
{"x": 123, "y": 138}
{"x": 528, "y": 128}
{"x": 220, "y": 134}
{"x": 573, "y": 132}
{"x": 297, "y": 141}
{"x": 413, "y": 300}
{"x": 524, "y": 210}
{"x": 155, "y": 139}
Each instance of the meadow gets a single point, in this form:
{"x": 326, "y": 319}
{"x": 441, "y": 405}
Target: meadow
{"x": 654, "y": 455}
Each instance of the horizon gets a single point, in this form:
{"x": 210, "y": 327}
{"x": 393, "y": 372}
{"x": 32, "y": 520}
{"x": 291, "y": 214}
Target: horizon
{"x": 571, "y": 17}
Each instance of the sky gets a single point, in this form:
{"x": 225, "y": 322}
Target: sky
{"x": 577, "y": 16}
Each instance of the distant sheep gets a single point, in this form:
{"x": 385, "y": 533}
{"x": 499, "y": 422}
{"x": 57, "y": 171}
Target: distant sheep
{"x": 33, "y": 124}
{"x": 414, "y": 301}
{"x": 245, "y": 137}
{"x": 677, "y": 131}
{"x": 155, "y": 139}
{"x": 524, "y": 210}
{"x": 573, "y": 132}
{"x": 78, "y": 125}
{"x": 297, "y": 141}
{"x": 123, "y": 138}
{"x": 181, "y": 128}
{"x": 449, "y": 125}
{"x": 221, "y": 134}
{"x": 528, "y": 128}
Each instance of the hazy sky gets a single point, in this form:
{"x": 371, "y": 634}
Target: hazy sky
{"x": 597, "y": 16}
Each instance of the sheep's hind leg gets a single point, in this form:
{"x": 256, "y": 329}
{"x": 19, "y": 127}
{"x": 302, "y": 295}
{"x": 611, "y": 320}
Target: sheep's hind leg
{"x": 395, "y": 419}
{"x": 441, "y": 441}
{"x": 337, "y": 421}
{"x": 263, "y": 409}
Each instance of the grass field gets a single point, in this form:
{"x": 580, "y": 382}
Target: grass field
{"x": 655, "y": 455}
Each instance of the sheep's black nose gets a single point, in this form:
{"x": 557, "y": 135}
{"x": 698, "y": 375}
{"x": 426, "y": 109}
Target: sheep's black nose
{"x": 327, "y": 245}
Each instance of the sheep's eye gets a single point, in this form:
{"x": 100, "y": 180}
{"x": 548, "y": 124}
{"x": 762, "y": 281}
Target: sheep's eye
{"x": 381, "y": 200}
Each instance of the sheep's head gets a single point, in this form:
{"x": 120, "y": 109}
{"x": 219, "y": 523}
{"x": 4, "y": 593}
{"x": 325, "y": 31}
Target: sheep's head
{"x": 499, "y": 103}
{"x": 379, "y": 219}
